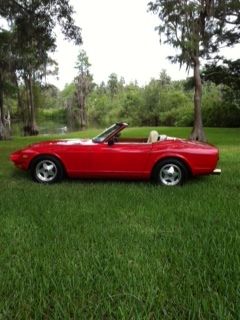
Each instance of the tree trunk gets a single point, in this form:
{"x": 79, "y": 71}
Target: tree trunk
{"x": 197, "y": 131}
{"x": 31, "y": 127}
{"x": 81, "y": 93}
{"x": 156, "y": 121}
{"x": 32, "y": 107}
{"x": 83, "y": 116}
{"x": 20, "y": 104}
{"x": 4, "y": 134}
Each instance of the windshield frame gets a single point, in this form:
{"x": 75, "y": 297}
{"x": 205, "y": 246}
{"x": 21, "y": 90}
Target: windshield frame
{"x": 108, "y": 133}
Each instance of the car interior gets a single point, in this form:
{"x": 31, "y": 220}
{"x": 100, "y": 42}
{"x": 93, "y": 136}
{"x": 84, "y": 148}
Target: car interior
{"x": 153, "y": 137}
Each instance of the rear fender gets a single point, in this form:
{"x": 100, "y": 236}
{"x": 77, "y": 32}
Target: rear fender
{"x": 171, "y": 156}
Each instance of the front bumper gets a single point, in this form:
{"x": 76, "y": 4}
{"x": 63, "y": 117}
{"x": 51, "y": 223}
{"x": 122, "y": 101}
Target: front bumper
{"x": 20, "y": 160}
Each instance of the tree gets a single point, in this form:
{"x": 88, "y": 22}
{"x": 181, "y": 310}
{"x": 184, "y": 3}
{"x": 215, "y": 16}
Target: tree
{"x": 196, "y": 28}
{"x": 227, "y": 13}
{"x": 5, "y": 70}
{"x": 132, "y": 109}
{"x": 227, "y": 76}
{"x": 33, "y": 23}
{"x": 46, "y": 14}
{"x": 84, "y": 85}
{"x": 113, "y": 85}
{"x": 150, "y": 113}
{"x": 228, "y": 73}
{"x": 164, "y": 78}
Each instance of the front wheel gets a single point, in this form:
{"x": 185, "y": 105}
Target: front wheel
{"x": 47, "y": 170}
{"x": 170, "y": 172}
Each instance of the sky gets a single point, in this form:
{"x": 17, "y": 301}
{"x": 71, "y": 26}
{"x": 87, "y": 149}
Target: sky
{"x": 118, "y": 36}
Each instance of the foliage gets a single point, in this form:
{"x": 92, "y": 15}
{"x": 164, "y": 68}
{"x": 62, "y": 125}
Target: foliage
{"x": 99, "y": 108}
{"x": 6, "y": 86}
{"x": 82, "y": 65}
{"x": 32, "y": 24}
{"x": 57, "y": 116}
{"x": 45, "y": 14}
{"x": 24, "y": 62}
{"x": 131, "y": 106}
{"x": 154, "y": 104}
{"x": 113, "y": 84}
{"x": 228, "y": 73}
{"x": 51, "y": 95}
{"x": 83, "y": 86}
{"x": 226, "y": 77}
{"x": 149, "y": 105}
{"x": 195, "y": 29}
{"x": 67, "y": 92}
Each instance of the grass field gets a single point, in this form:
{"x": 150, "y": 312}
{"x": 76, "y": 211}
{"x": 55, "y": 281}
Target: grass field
{"x": 121, "y": 250}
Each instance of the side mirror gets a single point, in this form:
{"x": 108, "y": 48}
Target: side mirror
{"x": 110, "y": 142}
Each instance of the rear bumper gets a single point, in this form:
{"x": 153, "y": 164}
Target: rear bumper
{"x": 217, "y": 172}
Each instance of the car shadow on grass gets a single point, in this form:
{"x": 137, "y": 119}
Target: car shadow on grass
{"x": 86, "y": 181}
{"x": 191, "y": 181}
{"x": 20, "y": 175}
{"x": 26, "y": 177}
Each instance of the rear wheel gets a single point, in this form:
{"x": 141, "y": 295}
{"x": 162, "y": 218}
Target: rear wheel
{"x": 170, "y": 172}
{"x": 47, "y": 170}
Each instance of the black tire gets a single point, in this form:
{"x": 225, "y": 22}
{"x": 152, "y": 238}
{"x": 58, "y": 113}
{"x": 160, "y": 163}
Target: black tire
{"x": 46, "y": 170}
{"x": 170, "y": 172}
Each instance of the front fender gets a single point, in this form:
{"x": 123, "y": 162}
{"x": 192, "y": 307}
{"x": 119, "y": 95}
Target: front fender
{"x": 46, "y": 154}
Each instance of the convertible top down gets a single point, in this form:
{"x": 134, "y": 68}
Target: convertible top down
{"x": 167, "y": 160}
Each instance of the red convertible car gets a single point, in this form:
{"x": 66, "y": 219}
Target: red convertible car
{"x": 167, "y": 160}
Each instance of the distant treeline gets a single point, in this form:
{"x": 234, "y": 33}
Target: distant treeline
{"x": 161, "y": 102}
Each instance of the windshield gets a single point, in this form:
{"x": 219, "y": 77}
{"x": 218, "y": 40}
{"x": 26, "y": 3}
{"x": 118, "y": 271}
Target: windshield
{"x": 102, "y": 136}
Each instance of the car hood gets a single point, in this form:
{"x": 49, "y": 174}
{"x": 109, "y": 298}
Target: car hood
{"x": 62, "y": 142}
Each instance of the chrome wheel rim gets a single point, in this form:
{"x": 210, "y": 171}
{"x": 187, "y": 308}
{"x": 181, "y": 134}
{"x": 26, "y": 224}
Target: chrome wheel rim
{"x": 46, "y": 171}
{"x": 170, "y": 174}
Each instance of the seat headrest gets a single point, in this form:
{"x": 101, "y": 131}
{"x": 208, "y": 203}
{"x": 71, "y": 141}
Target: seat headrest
{"x": 153, "y": 136}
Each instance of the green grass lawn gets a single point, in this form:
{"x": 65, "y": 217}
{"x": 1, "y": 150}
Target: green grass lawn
{"x": 121, "y": 250}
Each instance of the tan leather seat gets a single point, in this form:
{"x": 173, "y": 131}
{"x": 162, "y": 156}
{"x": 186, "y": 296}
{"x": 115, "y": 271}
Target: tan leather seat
{"x": 153, "y": 136}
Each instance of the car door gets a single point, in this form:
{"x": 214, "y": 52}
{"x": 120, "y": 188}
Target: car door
{"x": 120, "y": 159}
{"x": 76, "y": 156}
